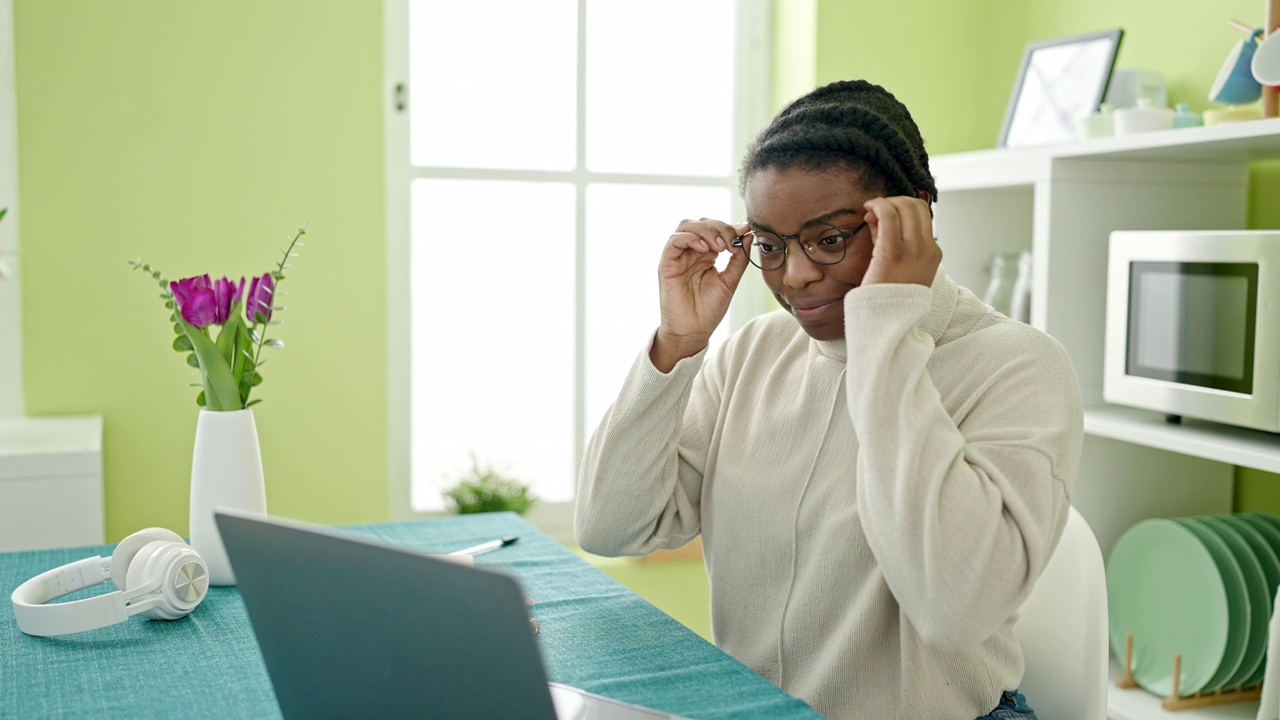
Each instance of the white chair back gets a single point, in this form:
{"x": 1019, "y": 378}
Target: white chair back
{"x": 1062, "y": 627}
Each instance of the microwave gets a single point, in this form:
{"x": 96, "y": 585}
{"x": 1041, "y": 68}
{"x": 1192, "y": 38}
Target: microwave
{"x": 1193, "y": 325}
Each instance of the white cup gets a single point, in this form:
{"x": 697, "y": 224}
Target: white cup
{"x": 1146, "y": 117}
{"x": 1266, "y": 61}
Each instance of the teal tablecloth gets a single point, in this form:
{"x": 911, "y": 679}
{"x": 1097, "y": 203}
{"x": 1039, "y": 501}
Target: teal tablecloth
{"x": 595, "y": 634}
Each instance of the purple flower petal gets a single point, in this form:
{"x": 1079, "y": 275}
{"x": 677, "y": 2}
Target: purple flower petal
{"x": 225, "y": 294}
{"x": 261, "y": 292}
{"x": 201, "y": 307}
{"x": 182, "y": 288}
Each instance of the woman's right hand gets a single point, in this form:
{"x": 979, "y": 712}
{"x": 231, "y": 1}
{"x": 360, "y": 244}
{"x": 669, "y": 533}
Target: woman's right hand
{"x": 694, "y": 294}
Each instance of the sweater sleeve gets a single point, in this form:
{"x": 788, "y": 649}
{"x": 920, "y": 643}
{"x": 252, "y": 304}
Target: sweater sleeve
{"x": 640, "y": 483}
{"x": 961, "y": 512}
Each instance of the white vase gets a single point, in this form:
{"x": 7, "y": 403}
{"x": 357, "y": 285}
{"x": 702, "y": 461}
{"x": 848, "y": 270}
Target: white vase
{"x": 226, "y": 472}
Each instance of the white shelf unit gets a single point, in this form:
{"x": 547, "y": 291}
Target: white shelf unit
{"x": 1062, "y": 203}
{"x": 51, "y": 482}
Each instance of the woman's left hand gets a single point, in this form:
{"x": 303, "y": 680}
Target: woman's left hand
{"x": 904, "y": 248}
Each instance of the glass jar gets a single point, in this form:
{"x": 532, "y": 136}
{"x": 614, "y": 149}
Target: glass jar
{"x": 1002, "y": 274}
{"x": 1021, "y": 305}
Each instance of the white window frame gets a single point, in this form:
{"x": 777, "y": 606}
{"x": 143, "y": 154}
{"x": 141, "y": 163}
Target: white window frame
{"x": 11, "y": 400}
{"x": 753, "y": 82}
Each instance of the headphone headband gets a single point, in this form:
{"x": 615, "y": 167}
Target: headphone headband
{"x": 170, "y": 579}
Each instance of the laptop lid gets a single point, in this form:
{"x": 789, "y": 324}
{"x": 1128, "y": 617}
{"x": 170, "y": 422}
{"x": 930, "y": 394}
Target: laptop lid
{"x": 350, "y": 627}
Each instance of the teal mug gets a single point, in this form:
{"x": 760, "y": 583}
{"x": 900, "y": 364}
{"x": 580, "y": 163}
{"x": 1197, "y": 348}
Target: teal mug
{"x": 1235, "y": 84}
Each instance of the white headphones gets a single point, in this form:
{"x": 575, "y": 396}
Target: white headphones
{"x": 156, "y": 574}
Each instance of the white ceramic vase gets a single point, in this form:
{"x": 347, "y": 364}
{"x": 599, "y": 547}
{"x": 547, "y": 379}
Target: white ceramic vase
{"x": 226, "y": 472}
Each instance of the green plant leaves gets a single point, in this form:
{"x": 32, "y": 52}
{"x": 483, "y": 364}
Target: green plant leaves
{"x": 221, "y": 391}
{"x": 483, "y": 489}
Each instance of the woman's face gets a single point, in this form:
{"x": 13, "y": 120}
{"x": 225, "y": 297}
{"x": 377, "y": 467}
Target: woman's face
{"x": 794, "y": 201}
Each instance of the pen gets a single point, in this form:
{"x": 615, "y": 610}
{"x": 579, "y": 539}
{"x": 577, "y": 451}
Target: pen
{"x": 485, "y": 547}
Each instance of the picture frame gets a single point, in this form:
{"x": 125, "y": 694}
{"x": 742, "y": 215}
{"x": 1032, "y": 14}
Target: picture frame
{"x": 1060, "y": 81}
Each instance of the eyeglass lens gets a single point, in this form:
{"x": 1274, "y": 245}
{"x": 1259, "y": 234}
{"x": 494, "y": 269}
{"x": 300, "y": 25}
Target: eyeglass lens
{"x": 824, "y": 244}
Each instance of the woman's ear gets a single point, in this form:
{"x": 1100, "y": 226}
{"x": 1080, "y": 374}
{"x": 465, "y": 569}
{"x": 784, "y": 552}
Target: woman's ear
{"x": 924, "y": 195}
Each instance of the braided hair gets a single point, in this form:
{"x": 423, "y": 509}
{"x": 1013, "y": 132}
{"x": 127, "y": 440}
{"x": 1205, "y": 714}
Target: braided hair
{"x": 849, "y": 124}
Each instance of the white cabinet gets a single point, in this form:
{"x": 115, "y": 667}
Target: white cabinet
{"x": 1063, "y": 202}
{"x": 51, "y": 482}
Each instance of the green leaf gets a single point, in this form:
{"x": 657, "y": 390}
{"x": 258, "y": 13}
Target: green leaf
{"x": 255, "y": 379}
{"x": 219, "y": 386}
{"x": 193, "y": 361}
{"x": 276, "y": 343}
{"x": 177, "y": 329}
{"x": 171, "y": 305}
{"x": 200, "y": 399}
{"x": 229, "y": 334}
{"x": 182, "y": 343}
{"x": 277, "y": 275}
{"x": 251, "y": 403}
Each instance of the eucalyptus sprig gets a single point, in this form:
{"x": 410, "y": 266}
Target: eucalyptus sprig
{"x": 229, "y": 364}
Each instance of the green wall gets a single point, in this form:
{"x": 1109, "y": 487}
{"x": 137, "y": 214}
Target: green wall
{"x": 197, "y": 136}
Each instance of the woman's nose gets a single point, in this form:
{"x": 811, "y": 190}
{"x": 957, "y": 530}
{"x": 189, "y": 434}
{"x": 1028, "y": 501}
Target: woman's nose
{"x": 798, "y": 270}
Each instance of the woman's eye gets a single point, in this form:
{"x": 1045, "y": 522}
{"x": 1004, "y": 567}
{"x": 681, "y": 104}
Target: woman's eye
{"x": 766, "y": 248}
{"x": 830, "y": 240}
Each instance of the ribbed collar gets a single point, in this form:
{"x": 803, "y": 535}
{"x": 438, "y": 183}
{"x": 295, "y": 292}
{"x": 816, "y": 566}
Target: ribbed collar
{"x": 945, "y": 295}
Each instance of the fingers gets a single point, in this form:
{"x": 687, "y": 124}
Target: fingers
{"x": 901, "y": 220}
{"x": 904, "y": 248}
{"x": 705, "y": 235}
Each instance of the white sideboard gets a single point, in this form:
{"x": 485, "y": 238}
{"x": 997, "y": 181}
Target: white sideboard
{"x": 51, "y": 482}
{"x": 1062, "y": 202}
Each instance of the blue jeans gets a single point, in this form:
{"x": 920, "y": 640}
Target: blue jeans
{"x": 1012, "y": 707}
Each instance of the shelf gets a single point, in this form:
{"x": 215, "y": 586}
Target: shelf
{"x": 1002, "y": 167}
{"x": 1212, "y": 441}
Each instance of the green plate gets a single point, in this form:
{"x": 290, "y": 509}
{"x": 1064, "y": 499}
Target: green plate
{"x": 1255, "y": 586}
{"x": 1165, "y": 589}
{"x": 1237, "y": 602}
{"x": 1268, "y": 518}
{"x": 1268, "y": 531}
{"x": 1264, "y": 550}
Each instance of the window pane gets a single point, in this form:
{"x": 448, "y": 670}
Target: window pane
{"x": 492, "y": 305}
{"x": 660, "y": 86}
{"x": 492, "y": 83}
{"x": 623, "y": 248}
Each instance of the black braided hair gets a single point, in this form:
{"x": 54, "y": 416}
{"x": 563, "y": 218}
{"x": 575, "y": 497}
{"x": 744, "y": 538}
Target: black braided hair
{"x": 848, "y": 124}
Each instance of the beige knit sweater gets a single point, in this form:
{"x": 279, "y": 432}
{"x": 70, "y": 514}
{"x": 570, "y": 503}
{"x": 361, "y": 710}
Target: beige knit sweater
{"x": 872, "y": 517}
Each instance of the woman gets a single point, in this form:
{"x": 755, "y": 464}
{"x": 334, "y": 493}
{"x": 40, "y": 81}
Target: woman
{"x": 881, "y": 469}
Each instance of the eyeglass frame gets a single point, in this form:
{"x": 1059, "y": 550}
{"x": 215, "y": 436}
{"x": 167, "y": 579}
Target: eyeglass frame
{"x": 844, "y": 235}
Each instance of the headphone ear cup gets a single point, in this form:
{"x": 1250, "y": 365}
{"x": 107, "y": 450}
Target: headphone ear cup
{"x": 183, "y": 575}
{"x": 128, "y": 548}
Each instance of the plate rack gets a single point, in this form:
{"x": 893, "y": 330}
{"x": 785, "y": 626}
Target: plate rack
{"x": 1176, "y": 701}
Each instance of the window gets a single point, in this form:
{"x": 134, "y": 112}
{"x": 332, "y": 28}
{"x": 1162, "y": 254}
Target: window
{"x": 545, "y": 153}
{"x": 11, "y": 403}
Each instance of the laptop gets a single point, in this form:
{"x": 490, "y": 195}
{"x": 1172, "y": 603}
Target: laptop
{"x": 351, "y": 627}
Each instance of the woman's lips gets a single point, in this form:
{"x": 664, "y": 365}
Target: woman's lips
{"x": 810, "y": 312}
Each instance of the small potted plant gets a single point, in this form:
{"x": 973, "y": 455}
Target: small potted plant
{"x": 484, "y": 489}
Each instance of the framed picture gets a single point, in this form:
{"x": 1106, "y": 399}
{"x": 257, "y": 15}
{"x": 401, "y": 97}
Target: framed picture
{"x": 1060, "y": 81}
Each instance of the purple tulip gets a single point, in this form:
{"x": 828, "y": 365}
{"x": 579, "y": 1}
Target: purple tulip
{"x": 261, "y": 292}
{"x": 226, "y": 294}
{"x": 182, "y": 288}
{"x": 196, "y": 300}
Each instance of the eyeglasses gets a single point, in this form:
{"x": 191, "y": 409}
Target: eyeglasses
{"x": 824, "y": 244}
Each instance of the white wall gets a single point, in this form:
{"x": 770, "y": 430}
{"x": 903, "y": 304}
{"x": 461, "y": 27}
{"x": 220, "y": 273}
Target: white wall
{"x": 10, "y": 297}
